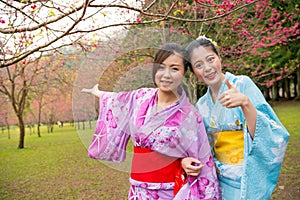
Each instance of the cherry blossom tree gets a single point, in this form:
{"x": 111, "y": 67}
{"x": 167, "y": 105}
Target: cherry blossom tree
{"x": 16, "y": 83}
{"x": 52, "y": 89}
{"x": 256, "y": 38}
{"x": 30, "y": 28}
{"x": 6, "y": 116}
{"x": 261, "y": 41}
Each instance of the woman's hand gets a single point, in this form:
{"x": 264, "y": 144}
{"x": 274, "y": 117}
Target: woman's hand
{"x": 232, "y": 97}
{"x": 191, "y": 166}
{"x": 95, "y": 91}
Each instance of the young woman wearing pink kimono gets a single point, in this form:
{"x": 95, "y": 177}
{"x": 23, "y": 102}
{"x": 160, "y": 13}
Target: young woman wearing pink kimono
{"x": 164, "y": 128}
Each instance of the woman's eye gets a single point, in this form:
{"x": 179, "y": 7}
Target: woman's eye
{"x": 210, "y": 59}
{"x": 198, "y": 66}
{"x": 161, "y": 67}
{"x": 175, "y": 69}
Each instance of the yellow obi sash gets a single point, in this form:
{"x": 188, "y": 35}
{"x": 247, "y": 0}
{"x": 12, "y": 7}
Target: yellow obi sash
{"x": 229, "y": 147}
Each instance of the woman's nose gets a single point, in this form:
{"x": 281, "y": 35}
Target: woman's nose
{"x": 167, "y": 72}
{"x": 206, "y": 67}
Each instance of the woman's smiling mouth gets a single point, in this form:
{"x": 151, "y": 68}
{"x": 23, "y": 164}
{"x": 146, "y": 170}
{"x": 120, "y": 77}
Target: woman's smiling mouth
{"x": 211, "y": 76}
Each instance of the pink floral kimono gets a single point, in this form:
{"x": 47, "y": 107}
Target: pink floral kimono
{"x": 168, "y": 135}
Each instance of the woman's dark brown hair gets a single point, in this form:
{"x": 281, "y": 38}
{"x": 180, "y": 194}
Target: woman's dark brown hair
{"x": 165, "y": 51}
{"x": 200, "y": 42}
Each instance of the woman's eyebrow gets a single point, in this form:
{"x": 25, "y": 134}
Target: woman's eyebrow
{"x": 197, "y": 61}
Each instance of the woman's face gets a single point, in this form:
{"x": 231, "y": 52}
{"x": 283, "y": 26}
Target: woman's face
{"x": 207, "y": 65}
{"x": 170, "y": 73}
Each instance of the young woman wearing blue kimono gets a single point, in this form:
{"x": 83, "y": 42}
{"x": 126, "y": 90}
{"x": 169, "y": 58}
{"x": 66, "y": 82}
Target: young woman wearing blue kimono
{"x": 164, "y": 127}
{"x": 248, "y": 140}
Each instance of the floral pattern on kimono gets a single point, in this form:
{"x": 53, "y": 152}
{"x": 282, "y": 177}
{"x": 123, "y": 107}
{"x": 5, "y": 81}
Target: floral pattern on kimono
{"x": 263, "y": 155}
{"x": 176, "y": 131}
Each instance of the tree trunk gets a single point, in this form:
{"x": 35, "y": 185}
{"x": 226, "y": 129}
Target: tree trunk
{"x": 294, "y": 82}
{"x": 275, "y": 92}
{"x": 39, "y": 120}
{"x": 83, "y": 125}
{"x": 277, "y": 87}
{"x": 22, "y": 132}
{"x": 39, "y": 128}
{"x": 78, "y": 124}
{"x": 7, "y": 126}
{"x": 287, "y": 88}
{"x": 8, "y": 131}
{"x": 266, "y": 93}
{"x": 282, "y": 86}
{"x": 297, "y": 86}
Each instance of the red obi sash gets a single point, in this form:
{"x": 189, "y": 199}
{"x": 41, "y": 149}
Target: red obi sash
{"x": 154, "y": 167}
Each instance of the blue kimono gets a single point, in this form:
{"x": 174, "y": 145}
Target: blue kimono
{"x": 253, "y": 172}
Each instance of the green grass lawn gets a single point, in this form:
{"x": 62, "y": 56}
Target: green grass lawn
{"x": 56, "y": 166}
{"x": 288, "y": 186}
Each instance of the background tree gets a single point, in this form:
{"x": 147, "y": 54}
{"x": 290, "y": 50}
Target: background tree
{"x": 15, "y": 87}
{"x": 262, "y": 42}
{"x": 256, "y": 38}
{"x": 53, "y": 88}
{"x": 31, "y": 28}
{"x": 6, "y": 115}
{"x": 16, "y": 83}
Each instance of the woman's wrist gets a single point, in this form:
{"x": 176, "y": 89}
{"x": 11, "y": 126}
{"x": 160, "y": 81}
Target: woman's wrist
{"x": 245, "y": 102}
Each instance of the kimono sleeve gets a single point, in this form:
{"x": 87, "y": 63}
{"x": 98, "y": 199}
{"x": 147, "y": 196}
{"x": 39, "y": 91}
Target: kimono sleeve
{"x": 264, "y": 154}
{"x": 110, "y": 137}
{"x": 205, "y": 185}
